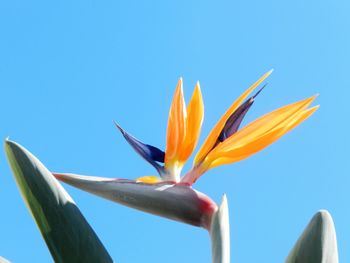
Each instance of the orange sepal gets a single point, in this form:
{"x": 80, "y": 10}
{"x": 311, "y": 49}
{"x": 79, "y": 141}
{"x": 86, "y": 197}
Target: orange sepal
{"x": 149, "y": 179}
{"x": 195, "y": 115}
{"x": 176, "y": 126}
{"x": 215, "y": 132}
{"x": 246, "y": 144}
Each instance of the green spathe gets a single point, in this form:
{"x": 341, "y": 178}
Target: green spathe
{"x": 66, "y": 232}
{"x": 174, "y": 201}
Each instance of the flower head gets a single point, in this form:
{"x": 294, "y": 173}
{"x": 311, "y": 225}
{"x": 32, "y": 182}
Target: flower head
{"x": 169, "y": 194}
{"x": 225, "y": 144}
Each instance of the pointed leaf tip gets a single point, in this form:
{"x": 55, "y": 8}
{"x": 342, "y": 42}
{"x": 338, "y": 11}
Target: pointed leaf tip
{"x": 66, "y": 232}
{"x": 317, "y": 243}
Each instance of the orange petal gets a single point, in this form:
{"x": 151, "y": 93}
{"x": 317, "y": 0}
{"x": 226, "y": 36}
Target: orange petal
{"x": 243, "y": 152}
{"x": 195, "y": 114}
{"x": 215, "y": 132}
{"x": 245, "y": 149}
{"x": 263, "y": 124}
{"x": 176, "y": 126}
{"x": 303, "y": 116}
{"x": 148, "y": 179}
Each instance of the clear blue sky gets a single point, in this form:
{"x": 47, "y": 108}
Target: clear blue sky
{"x": 67, "y": 69}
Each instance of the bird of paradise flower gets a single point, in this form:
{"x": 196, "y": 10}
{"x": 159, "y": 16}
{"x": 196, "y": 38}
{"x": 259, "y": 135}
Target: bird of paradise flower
{"x": 172, "y": 196}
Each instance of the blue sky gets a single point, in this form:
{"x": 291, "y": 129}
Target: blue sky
{"x": 67, "y": 69}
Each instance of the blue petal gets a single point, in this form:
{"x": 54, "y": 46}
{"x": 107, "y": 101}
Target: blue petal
{"x": 148, "y": 152}
{"x": 235, "y": 120}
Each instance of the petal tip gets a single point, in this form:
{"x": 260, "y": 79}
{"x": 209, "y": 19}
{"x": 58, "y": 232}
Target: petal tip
{"x": 118, "y": 127}
{"x": 313, "y": 97}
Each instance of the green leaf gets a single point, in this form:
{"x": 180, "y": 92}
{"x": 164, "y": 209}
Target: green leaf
{"x": 66, "y": 232}
{"x": 318, "y": 242}
{"x": 220, "y": 234}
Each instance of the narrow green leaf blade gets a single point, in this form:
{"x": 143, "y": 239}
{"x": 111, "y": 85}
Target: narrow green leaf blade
{"x": 318, "y": 242}
{"x": 66, "y": 232}
{"x": 220, "y": 234}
